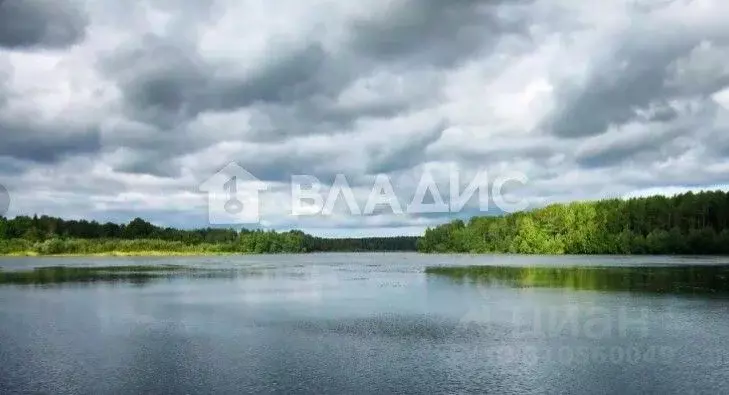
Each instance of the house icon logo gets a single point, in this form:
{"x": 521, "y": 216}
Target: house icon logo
{"x": 233, "y": 196}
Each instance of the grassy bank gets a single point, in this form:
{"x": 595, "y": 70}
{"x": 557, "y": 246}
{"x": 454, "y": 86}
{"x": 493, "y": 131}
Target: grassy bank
{"x": 119, "y": 247}
{"x": 121, "y": 254}
{"x": 49, "y": 236}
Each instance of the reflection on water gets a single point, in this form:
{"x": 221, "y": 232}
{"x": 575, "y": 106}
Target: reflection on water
{"x": 678, "y": 279}
{"x": 134, "y": 274}
{"x": 361, "y": 323}
{"x": 684, "y": 279}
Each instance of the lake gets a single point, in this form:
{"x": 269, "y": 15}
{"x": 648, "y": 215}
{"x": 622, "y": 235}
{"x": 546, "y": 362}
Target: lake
{"x": 365, "y": 323}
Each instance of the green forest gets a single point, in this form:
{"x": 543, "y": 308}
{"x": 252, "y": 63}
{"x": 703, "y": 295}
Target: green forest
{"x": 45, "y": 235}
{"x": 690, "y": 223}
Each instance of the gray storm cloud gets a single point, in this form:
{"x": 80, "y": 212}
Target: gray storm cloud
{"x": 40, "y": 24}
{"x": 109, "y": 108}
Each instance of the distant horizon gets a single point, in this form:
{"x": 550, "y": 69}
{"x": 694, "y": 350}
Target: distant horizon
{"x": 317, "y": 232}
{"x": 376, "y": 232}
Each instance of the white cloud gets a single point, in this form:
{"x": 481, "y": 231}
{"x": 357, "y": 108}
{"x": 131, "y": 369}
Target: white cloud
{"x": 588, "y": 99}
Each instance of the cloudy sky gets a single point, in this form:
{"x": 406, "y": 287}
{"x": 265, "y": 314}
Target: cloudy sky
{"x": 111, "y": 109}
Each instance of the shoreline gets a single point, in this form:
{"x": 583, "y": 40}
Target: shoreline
{"x": 121, "y": 254}
{"x": 163, "y": 254}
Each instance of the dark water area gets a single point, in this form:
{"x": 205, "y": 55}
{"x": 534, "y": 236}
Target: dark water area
{"x": 675, "y": 279}
{"x": 364, "y": 323}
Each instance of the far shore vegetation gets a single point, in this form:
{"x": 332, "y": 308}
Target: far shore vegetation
{"x": 686, "y": 224}
{"x": 50, "y": 236}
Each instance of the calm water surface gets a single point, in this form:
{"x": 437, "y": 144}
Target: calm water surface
{"x": 360, "y": 323}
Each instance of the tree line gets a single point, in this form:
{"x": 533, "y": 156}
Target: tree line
{"x": 52, "y": 236}
{"x": 690, "y": 223}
